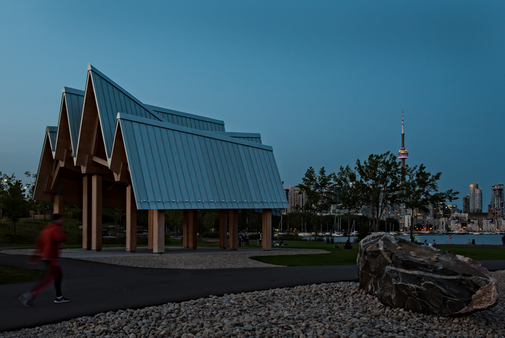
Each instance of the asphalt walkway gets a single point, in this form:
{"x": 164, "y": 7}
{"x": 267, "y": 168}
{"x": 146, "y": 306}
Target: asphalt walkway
{"x": 95, "y": 287}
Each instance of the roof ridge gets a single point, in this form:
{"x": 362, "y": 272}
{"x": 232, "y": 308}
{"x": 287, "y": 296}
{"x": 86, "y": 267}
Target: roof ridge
{"x": 74, "y": 91}
{"x": 205, "y": 133}
{"x": 189, "y": 115}
{"x": 124, "y": 91}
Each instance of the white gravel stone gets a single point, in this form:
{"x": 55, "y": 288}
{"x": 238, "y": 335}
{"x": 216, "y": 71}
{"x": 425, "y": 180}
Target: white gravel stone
{"x": 322, "y": 310}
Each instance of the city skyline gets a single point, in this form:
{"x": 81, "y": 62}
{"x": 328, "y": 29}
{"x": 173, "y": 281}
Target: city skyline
{"x": 323, "y": 83}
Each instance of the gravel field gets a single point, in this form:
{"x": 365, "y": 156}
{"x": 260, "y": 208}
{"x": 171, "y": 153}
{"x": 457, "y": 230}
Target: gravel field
{"x": 319, "y": 310}
{"x": 322, "y": 310}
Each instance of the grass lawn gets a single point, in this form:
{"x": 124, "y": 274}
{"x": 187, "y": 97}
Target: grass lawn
{"x": 479, "y": 254}
{"x": 11, "y": 275}
{"x": 348, "y": 257}
{"x": 335, "y": 256}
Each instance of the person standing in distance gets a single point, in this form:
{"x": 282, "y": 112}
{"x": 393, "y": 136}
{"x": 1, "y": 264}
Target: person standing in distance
{"x": 48, "y": 249}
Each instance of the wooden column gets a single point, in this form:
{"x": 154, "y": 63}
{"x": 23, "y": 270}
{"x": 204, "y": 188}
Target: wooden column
{"x": 223, "y": 228}
{"x": 131, "y": 220}
{"x": 159, "y": 231}
{"x": 150, "y": 221}
{"x": 86, "y": 212}
{"x": 185, "y": 228}
{"x": 58, "y": 204}
{"x": 192, "y": 226}
{"x": 96, "y": 213}
{"x": 267, "y": 229}
{"x": 233, "y": 228}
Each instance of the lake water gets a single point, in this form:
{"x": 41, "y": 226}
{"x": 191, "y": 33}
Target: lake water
{"x": 439, "y": 239}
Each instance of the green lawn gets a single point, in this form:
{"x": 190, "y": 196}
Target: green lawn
{"x": 335, "y": 256}
{"x": 348, "y": 257}
{"x": 479, "y": 254}
{"x": 10, "y": 275}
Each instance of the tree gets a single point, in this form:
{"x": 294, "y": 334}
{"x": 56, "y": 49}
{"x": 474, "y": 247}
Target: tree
{"x": 316, "y": 188}
{"x": 379, "y": 183}
{"x": 349, "y": 196}
{"x": 14, "y": 202}
{"x": 420, "y": 190}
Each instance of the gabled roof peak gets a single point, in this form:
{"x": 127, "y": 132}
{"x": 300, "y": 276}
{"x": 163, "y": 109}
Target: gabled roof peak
{"x": 72, "y": 91}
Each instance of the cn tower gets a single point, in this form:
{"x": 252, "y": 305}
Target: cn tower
{"x": 403, "y": 154}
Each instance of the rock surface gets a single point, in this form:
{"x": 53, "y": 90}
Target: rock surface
{"x": 423, "y": 279}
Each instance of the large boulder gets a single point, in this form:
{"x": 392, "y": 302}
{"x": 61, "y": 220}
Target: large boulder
{"x": 423, "y": 279}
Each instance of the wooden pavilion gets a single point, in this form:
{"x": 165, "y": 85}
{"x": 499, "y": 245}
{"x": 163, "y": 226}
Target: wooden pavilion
{"x": 111, "y": 150}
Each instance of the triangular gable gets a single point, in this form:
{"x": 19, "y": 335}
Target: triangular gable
{"x": 188, "y": 120}
{"x": 51, "y": 132}
{"x": 103, "y": 99}
{"x": 46, "y": 165}
{"x": 68, "y": 123}
{"x": 74, "y": 100}
{"x": 174, "y": 167}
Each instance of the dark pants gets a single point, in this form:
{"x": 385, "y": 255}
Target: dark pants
{"x": 53, "y": 274}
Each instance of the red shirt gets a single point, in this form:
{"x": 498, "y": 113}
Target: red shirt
{"x": 49, "y": 241}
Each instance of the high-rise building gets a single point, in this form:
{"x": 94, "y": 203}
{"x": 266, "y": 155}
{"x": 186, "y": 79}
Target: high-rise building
{"x": 478, "y": 200}
{"x": 466, "y": 204}
{"x": 497, "y": 196}
{"x": 473, "y": 186}
{"x": 296, "y": 200}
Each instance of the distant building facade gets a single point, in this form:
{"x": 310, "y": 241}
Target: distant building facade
{"x": 466, "y": 204}
{"x": 296, "y": 200}
{"x": 497, "y": 196}
{"x": 475, "y": 198}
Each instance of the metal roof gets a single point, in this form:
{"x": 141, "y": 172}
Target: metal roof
{"x": 51, "y": 132}
{"x": 188, "y": 120}
{"x": 111, "y": 99}
{"x": 251, "y": 137}
{"x": 174, "y": 167}
{"x": 74, "y": 99}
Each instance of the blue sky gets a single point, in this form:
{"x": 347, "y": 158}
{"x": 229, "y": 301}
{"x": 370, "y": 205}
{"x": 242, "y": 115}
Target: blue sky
{"x": 323, "y": 82}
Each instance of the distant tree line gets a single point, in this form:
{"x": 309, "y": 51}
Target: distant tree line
{"x": 378, "y": 183}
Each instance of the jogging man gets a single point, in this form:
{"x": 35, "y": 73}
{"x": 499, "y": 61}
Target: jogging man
{"x": 48, "y": 250}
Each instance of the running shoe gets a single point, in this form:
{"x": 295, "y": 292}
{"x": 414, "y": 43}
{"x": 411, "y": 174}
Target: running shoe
{"x": 61, "y": 299}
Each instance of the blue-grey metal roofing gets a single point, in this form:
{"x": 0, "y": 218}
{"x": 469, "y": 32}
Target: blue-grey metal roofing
{"x": 52, "y": 131}
{"x": 174, "y": 167}
{"x": 111, "y": 99}
{"x": 188, "y": 120}
{"x": 251, "y": 137}
{"x": 74, "y": 99}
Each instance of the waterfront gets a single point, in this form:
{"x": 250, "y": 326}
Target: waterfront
{"x": 439, "y": 239}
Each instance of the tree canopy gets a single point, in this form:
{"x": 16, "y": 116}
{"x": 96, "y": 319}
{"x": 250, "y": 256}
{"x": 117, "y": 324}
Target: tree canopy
{"x": 419, "y": 190}
{"x": 379, "y": 183}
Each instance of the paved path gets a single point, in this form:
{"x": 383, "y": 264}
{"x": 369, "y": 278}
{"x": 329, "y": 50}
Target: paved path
{"x": 96, "y": 287}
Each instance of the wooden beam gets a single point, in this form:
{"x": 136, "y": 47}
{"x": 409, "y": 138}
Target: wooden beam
{"x": 58, "y": 206}
{"x": 96, "y": 213}
{"x": 150, "y": 222}
{"x": 123, "y": 174}
{"x": 233, "y": 228}
{"x": 100, "y": 161}
{"x": 86, "y": 212}
{"x": 267, "y": 229}
{"x": 55, "y": 176}
{"x": 159, "y": 231}
{"x": 131, "y": 220}
{"x": 185, "y": 229}
{"x": 223, "y": 228}
{"x": 192, "y": 228}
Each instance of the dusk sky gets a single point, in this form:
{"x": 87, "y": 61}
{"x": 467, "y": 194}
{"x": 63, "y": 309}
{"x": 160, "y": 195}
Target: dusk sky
{"x": 323, "y": 82}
